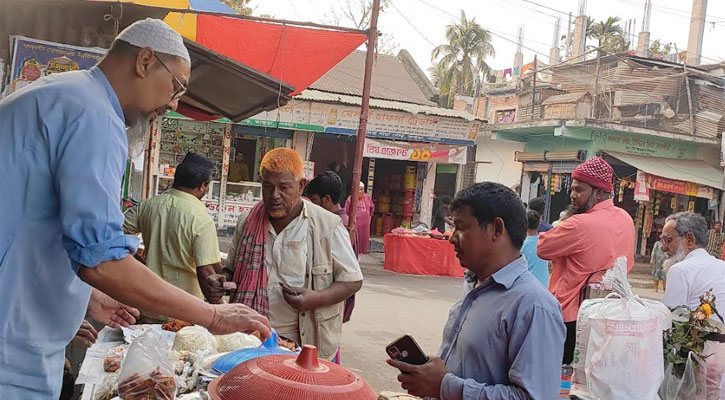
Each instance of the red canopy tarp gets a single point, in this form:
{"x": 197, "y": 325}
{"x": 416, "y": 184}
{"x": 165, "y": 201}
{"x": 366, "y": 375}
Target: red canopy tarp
{"x": 297, "y": 56}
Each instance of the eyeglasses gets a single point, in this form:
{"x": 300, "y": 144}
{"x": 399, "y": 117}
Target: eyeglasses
{"x": 178, "y": 93}
{"x": 667, "y": 239}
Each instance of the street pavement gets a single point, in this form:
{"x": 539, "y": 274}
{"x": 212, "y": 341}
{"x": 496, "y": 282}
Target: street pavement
{"x": 391, "y": 305}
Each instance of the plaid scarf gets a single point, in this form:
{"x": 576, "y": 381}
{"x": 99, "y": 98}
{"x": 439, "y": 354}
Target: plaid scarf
{"x": 250, "y": 273}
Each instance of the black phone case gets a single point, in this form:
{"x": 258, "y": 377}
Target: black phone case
{"x": 405, "y": 349}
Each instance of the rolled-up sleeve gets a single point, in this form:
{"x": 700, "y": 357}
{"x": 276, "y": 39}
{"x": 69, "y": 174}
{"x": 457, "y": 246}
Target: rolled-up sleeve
{"x": 564, "y": 240}
{"x": 346, "y": 267}
{"x": 230, "y": 263}
{"x": 88, "y": 172}
{"x": 535, "y": 346}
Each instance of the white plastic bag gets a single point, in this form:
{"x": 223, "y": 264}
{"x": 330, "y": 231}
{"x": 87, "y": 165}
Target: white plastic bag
{"x": 579, "y": 386}
{"x": 146, "y": 371}
{"x": 623, "y": 358}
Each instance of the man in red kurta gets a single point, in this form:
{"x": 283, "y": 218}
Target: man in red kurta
{"x": 589, "y": 241}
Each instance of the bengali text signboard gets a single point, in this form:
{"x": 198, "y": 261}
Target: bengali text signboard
{"x": 424, "y": 152}
{"x": 385, "y": 124}
{"x": 33, "y": 59}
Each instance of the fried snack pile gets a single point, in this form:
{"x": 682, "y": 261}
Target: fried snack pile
{"x": 175, "y": 325}
{"x": 157, "y": 386}
{"x": 113, "y": 360}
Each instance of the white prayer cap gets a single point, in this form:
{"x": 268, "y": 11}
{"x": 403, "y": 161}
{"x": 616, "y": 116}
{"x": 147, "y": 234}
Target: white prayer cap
{"x": 158, "y": 36}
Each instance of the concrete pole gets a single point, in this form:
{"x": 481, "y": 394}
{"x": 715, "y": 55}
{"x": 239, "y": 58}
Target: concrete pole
{"x": 567, "y": 52}
{"x": 518, "y": 64}
{"x": 697, "y": 31}
{"x": 643, "y": 44}
{"x": 580, "y": 39}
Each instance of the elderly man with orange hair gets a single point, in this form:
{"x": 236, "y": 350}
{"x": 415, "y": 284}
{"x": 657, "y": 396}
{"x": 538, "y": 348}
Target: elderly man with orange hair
{"x": 292, "y": 260}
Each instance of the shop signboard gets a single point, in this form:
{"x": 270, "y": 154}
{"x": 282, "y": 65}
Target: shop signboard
{"x": 641, "y": 192}
{"x": 422, "y": 152}
{"x": 680, "y": 187}
{"x": 644, "y": 146}
{"x": 231, "y": 214}
{"x": 308, "y": 169}
{"x": 385, "y": 124}
{"x": 33, "y": 59}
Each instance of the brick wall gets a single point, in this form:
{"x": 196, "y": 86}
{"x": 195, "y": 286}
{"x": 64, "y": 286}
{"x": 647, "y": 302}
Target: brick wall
{"x": 505, "y": 102}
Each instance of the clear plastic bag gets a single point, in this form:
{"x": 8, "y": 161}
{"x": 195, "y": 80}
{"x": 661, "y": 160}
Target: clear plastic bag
{"x": 146, "y": 372}
{"x": 686, "y": 387}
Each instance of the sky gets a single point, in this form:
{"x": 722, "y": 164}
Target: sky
{"x": 419, "y": 25}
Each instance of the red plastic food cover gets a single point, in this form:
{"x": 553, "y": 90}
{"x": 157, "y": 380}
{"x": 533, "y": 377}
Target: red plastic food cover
{"x": 285, "y": 377}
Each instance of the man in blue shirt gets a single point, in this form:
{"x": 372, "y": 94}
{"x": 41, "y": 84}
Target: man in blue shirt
{"x": 504, "y": 339}
{"x": 538, "y": 204}
{"x": 63, "y": 149}
{"x": 539, "y": 268}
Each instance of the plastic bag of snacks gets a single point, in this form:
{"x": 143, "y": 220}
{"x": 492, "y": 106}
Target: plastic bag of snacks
{"x": 146, "y": 372}
{"x": 620, "y": 355}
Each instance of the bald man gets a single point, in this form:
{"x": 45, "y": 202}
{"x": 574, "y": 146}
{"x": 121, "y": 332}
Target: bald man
{"x": 63, "y": 150}
{"x": 293, "y": 260}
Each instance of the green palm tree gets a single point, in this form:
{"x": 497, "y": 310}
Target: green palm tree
{"x": 609, "y": 34}
{"x": 461, "y": 62}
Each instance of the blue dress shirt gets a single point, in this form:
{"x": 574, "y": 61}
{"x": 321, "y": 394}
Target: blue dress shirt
{"x": 504, "y": 340}
{"x": 62, "y": 156}
{"x": 539, "y": 268}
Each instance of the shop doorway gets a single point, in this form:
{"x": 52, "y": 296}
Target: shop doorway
{"x": 394, "y": 185}
{"x": 327, "y": 149}
{"x": 242, "y": 158}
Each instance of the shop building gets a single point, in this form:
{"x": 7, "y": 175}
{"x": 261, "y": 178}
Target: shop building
{"x": 415, "y": 151}
{"x": 656, "y": 124}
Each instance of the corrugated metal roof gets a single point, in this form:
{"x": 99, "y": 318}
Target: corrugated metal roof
{"x": 695, "y": 171}
{"x": 564, "y": 98}
{"x": 390, "y": 79}
{"x": 316, "y": 95}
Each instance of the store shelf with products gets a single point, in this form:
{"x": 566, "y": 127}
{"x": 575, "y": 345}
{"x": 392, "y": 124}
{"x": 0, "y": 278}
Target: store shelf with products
{"x": 250, "y": 192}
{"x": 179, "y": 136}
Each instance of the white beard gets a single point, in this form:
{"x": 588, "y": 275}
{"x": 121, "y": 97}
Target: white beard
{"x": 138, "y": 136}
{"x": 679, "y": 255}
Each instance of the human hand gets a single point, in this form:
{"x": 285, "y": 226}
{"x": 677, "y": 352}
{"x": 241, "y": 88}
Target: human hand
{"x": 86, "y": 335}
{"x": 110, "y": 312}
{"x": 215, "y": 287}
{"x": 301, "y": 299}
{"x": 230, "y": 318}
{"x": 421, "y": 380}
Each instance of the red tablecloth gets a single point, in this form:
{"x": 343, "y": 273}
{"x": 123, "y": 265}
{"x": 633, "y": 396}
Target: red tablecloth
{"x": 420, "y": 256}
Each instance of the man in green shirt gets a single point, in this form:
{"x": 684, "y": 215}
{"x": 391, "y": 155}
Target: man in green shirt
{"x": 180, "y": 238}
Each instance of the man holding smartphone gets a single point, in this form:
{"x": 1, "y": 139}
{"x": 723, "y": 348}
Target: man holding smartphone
{"x": 504, "y": 339}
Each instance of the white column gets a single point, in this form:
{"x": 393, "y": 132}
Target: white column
{"x": 427, "y": 196}
{"x": 151, "y": 162}
{"x": 227, "y": 143}
{"x": 302, "y": 143}
{"x": 526, "y": 187}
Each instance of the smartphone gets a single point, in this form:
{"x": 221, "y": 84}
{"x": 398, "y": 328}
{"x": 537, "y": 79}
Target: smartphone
{"x": 405, "y": 349}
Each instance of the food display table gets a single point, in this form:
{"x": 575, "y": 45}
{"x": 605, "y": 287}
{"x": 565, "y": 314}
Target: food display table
{"x": 421, "y": 256}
